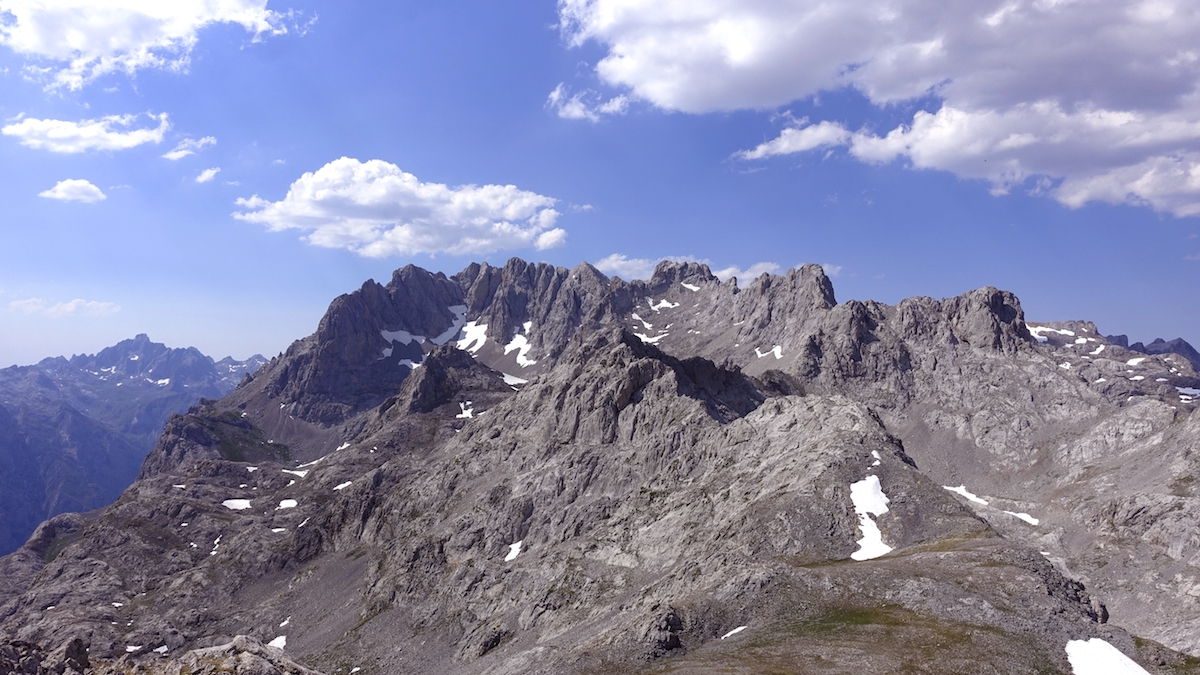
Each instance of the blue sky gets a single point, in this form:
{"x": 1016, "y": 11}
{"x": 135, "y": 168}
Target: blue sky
{"x": 914, "y": 148}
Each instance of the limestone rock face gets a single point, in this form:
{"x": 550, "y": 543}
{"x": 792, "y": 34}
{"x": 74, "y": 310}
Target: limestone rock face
{"x": 529, "y": 469}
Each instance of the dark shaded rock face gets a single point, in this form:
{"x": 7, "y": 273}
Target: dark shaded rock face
{"x": 530, "y": 469}
{"x": 73, "y": 432}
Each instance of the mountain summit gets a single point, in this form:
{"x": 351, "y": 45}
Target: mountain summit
{"x": 531, "y": 469}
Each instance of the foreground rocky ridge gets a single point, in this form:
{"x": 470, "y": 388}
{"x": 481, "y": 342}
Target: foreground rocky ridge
{"x": 531, "y": 469}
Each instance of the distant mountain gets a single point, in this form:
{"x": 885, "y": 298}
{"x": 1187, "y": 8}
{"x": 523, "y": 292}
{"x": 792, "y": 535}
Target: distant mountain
{"x": 73, "y": 432}
{"x": 1160, "y": 346}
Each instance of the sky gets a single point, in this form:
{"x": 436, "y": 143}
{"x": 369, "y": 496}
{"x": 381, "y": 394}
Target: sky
{"x": 214, "y": 172}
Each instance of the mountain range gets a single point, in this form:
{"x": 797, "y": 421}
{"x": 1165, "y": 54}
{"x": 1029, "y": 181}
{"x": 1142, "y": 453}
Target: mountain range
{"x": 74, "y": 432}
{"x": 530, "y": 469}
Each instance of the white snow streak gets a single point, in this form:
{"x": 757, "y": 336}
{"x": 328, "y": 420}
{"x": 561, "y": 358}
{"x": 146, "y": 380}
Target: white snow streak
{"x": 962, "y": 490}
{"x": 236, "y": 504}
{"x": 343, "y": 486}
{"x": 735, "y": 631}
{"x": 690, "y": 287}
{"x": 1024, "y": 516}
{"x": 299, "y": 474}
{"x": 1134, "y": 362}
{"x": 511, "y": 380}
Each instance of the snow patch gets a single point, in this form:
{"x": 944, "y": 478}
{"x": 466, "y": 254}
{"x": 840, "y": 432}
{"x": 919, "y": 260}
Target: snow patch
{"x": 474, "y": 337}
{"x": 521, "y": 345}
{"x": 690, "y": 287}
{"x": 1098, "y": 657}
{"x": 650, "y": 340}
{"x": 661, "y": 304}
{"x": 286, "y": 504}
{"x": 181, "y": 487}
{"x": 512, "y": 380}
{"x": 776, "y": 350}
{"x": 402, "y": 336}
{"x": 163, "y": 383}
{"x": 1137, "y": 378}
{"x": 1065, "y": 366}
{"x": 1188, "y": 391}
{"x": 299, "y": 474}
{"x": 343, "y": 486}
{"x": 236, "y": 504}
{"x": 277, "y": 530}
{"x": 279, "y": 642}
{"x": 1097, "y": 350}
{"x": 285, "y": 622}
{"x": 343, "y": 446}
{"x": 962, "y": 490}
{"x": 252, "y": 469}
{"x": 513, "y": 551}
{"x": 161, "y": 650}
{"x": 1134, "y": 362}
{"x": 1036, "y": 332}
{"x": 735, "y": 631}
{"x": 868, "y": 498}
{"x": 133, "y": 648}
{"x": 460, "y": 318}
{"x": 466, "y": 413}
{"x": 646, "y": 324}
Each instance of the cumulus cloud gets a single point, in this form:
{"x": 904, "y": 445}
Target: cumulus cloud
{"x": 114, "y": 132}
{"x": 1110, "y": 114}
{"x": 584, "y": 105}
{"x": 831, "y": 270}
{"x": 76, "y": 307}
{"x": 189, "y": 146}
{"x": 86, "y": 39}
{"x": 643, "y": 268}
{"x": 208, "y": 174}
{"x": 74, "y": 190}
{"x": 375, "y": 209}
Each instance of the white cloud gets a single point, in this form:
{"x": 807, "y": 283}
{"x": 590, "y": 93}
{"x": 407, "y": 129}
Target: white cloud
{"x": 208, "y": 174}
{"x": 643, "y": 268}
{"x": 831, "y": 270}
{"x": 1100, "y": 99}
{"x": 799, "y": 138}
{"x": 375, "y": 209}
{"x": 90, "y": 38}
{"x": 584, "y": 105}
{"x": 113, "y": 132}
{"x": 76, "y": 307}
{"x": 627, "y": 268}
{"x": 74, "y": 190}
{"x": 749, "y": 274}
{"x": 189, "y": 146}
